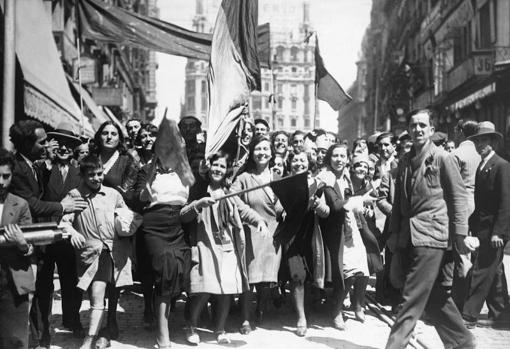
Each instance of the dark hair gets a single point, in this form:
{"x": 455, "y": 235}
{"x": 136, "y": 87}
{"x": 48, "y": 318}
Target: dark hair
{"x": 357, "y": 142}
{"x": 384, "y": 135}
{"x": 468, "y": 127}
{"x": 298, "y": 132}
{"x": 329, "y": 152}
{"x": 222, "y": 155}
{"x": 6, "y": 158}
{"x": 261, "y": 121}
{"x": 285, "y": 163}
{"x": 250, "y": 164}
{"x": 151, "y": 128}
{"x": 134, "y": 119}
{"x": 312, "y": 165}
{"x": 97, "y": 144}
{"x": 23, "y": 136}
{"x": 334, "y": 135}
{"x": 277, "y": 133}
{"x": 90, "y": 162}
{"x": 430, "y": 112}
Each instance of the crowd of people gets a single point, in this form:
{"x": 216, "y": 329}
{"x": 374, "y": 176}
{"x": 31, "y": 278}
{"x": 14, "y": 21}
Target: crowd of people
{"x": 151, "y": 208}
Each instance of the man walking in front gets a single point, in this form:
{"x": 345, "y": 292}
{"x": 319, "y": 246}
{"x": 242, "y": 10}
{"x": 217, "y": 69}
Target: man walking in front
{"x": 430, "y": 197}
{"x": 490, "y": 223}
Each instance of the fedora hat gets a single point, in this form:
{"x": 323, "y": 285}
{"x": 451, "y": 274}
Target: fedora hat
{"x": 486, "y": 128}
{"x": 65, "y": 131}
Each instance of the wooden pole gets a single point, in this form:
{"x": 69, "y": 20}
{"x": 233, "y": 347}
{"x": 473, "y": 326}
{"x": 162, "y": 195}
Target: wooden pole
{"x": 9, "y": 71}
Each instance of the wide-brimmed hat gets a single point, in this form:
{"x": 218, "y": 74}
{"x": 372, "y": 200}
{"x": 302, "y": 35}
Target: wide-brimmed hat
{"x": 486, "y": 128}
{"x": 65, "y": 131}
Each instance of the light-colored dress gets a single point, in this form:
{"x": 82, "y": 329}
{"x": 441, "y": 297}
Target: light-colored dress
{"x": 263, "y": 255}
{"x": 355, "y": 254}
{"x": 218, "y": 265}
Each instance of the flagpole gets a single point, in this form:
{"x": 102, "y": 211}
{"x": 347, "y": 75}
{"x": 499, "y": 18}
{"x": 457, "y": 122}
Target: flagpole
{"x": 255, "y": 188}
{"x": 78, "y": 43}
{"x": 9, "y": 71}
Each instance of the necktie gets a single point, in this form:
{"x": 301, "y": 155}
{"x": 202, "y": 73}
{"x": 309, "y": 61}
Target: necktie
{"x": 63, "y": 172}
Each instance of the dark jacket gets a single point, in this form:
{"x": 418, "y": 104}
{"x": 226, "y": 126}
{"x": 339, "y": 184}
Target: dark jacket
{"x": 492, "y": 200}
{"x": 30, "y": 188}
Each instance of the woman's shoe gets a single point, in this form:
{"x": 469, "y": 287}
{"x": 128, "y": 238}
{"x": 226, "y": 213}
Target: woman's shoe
{"x": 245, "y": 328}
{"x": 223, "y": 338}
{"x": 301, "y": 331}
{"x": 338, "y": 322}
{"x": 360, "y": 315}
{"x": 192, "y": 336}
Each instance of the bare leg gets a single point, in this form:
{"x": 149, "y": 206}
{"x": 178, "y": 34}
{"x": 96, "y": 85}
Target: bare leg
{"x": 97, "y": 293}
{"x": 162, "y": 314}
{"x": 360, "y": 287}
{"x": 297, "y": 288}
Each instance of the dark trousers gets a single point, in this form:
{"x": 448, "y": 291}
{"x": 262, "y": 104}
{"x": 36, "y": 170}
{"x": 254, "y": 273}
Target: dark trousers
{"x": 487, "y": 283}
{"x": 13, "y": 316}
{"x": 63, "y": 255}
{"x": 423, "y": 291}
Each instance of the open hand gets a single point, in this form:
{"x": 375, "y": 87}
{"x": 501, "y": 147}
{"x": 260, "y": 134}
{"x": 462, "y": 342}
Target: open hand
{"x": 497, "y": 241}
{"x": 77, "y": 240}
{"x": 14, "y": 235}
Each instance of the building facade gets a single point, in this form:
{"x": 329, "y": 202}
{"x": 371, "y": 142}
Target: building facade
{"x": 452, "y": 56}
{"x": 123, "y": 79}
{"x": 287, "y": 97}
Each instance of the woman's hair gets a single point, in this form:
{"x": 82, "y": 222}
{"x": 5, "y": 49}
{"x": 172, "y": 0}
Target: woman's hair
{"x": 222, "y": 155}
{"x": 6, "y": 158}
{"x": 89, "y": 163}
{"x": 96, "y": 145}
{"x": 147, "y": 127}
{"x": 285, "y": 163}
{"x": 250, "y": 163}
{"x": 277, "y": 133}
{"x": 312, "y": 165}
{"x": 329, "y": 152}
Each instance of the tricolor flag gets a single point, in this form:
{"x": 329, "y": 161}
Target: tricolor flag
{"x": 327, "y": 88}
{"x": 234, "y": 69}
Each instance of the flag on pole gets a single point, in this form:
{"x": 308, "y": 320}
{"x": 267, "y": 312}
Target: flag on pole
{"x": 327, "y": 88}
{"x": 234, "y": 69}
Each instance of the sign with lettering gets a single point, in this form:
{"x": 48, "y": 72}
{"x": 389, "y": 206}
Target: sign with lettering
{"x": 483, "y": 63}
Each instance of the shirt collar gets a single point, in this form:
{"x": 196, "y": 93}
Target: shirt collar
{"x": 88, "y": 194}
{"x": 488, "y": 157}
{"x": 29, "y": 163}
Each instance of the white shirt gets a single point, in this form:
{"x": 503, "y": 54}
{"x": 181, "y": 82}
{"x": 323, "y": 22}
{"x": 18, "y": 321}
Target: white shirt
{"x": 167, "y": 189}
{"x": 486, "y": 159}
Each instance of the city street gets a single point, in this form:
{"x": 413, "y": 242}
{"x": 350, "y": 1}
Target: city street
{"x": 277, "y": 331}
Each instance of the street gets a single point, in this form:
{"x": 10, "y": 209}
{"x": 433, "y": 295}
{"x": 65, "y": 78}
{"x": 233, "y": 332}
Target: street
{"x": 277, "y": 330}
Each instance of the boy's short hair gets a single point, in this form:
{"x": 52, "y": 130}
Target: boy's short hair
{"x": 6, "y": 158}
{"x": 90, "y": 162}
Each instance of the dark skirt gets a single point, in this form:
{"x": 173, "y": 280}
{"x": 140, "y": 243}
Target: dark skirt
{"x": 167, "y": 249}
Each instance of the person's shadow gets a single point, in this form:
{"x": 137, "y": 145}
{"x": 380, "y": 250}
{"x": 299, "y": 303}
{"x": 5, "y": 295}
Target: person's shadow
{"x": 337, "y": 343}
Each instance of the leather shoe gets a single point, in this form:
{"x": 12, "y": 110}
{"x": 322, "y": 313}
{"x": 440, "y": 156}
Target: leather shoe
{"x": 245, "y": 328}
{"x": 102, "y": 343}
{"x": 192, "y": 336}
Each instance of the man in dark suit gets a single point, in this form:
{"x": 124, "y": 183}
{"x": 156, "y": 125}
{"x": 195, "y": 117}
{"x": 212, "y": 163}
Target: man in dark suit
{"x": 490, "y": 222}
{"x": 58, "y": 178}
{"x": 30, "y": 140}
{"x": 428, "y": 213}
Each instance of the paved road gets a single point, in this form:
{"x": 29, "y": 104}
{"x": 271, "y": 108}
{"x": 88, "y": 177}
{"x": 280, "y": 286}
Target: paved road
{"x": 277, "y": 331}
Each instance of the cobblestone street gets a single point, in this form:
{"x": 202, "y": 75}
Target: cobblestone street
{"x": 277, "y": 330}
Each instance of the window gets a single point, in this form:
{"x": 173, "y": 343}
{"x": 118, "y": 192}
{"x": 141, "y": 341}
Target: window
{"x": 293, "y": 122}
{"x": 256, "y": 103}
{"x": 190, "y": 104}
{"x": 293, "y": 89}
{"x": 204, "y": 87}
{"x": 190, "y": 87}
{"x": 280, "y": 88}
{"x": 266, "y": 103}
{"x": 279, "y": 53}
{"x": 266, "y": 86}
{"x": 307, "y": 122}
{"x": 293, "y": 103}
{"x": 280, "y": 121}
{"x": 487, "y": 26}
{"x": 294, "y": 69}
{"x": 294, "y": 54}
{"x": 461, "y": 44}
{"x": 280, "y": 103}
{"x": 204, "y": 103}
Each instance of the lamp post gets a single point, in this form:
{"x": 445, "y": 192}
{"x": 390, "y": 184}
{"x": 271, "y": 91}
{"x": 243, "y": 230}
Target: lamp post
{"x": 9, "y": 71}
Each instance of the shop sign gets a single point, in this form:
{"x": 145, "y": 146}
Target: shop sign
{"x": 475, "y": 96}
{"x": 483, "y": 62}
{"x": 86, "y": 67}
{"x": 107, "y": 96}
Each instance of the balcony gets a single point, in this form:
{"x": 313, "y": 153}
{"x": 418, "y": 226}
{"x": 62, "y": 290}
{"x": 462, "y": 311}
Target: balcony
{"x": 480, "y": 63}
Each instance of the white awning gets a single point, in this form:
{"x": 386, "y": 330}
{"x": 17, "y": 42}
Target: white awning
{"x": 47, "y": 95}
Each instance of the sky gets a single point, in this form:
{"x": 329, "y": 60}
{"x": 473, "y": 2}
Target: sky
{"x": 340, "y": 26}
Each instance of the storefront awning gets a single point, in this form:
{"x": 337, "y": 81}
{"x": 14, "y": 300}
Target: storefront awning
{"x": 47, "y": 96}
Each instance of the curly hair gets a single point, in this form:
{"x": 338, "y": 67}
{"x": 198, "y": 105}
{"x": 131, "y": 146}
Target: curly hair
{"x": 250, "y": 163}
{"x": 6, "y": 158}
{"x": 23, "y": 136}
{"x": 97, "y": 143}
{"x": 148, "y": 127}
{"x": 329, "y": 152}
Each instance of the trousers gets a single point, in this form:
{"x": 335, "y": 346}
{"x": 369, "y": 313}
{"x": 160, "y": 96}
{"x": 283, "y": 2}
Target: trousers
{"x": 424, "y": 290}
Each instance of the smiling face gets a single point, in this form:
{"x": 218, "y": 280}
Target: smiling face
{"x": 281, "y": 143}
{"x": 262, "y": 154}
{"x": 261, "y": 129}
{"x": 132, "y": 128}
{"x": 420, "y": 128}
{"x": 64, "y": 151}
{"x": 298, "y": 142}
{"x": 299, "y": 163}
{"x": 360, "y": 170}
{"x": 339, "y": 159}
{"x": 278, "y": 165}
{"x": 93, "y": 178}
{"x": 147, "y": 139}
{"x": 110, "y": 137}
{"x": 218, "y": 170}
{"x": 386, "y": 148}
{"x": 247, "y": 134}
{"x": 39, "y": 146}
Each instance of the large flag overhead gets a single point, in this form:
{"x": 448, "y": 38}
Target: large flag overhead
{"x": 328, "y": 89}
{"x": 108, "y": 23}
{"x": 234, "y": 69}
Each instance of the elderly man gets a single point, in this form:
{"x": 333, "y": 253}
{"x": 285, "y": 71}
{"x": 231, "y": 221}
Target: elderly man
{"x": 490, "y": 222}
{"x": 429, "y": 198}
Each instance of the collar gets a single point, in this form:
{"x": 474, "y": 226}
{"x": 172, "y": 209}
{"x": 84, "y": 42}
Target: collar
{"x": 88, "y": 194}
{"x": 29, "y": 163}
{"x": 488, "y": 157}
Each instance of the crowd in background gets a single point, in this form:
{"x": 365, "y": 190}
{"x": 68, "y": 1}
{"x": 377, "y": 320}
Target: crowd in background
{"x": 149, "y": 208}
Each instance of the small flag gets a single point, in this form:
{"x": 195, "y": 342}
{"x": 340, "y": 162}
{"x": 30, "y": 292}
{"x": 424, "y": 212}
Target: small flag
{"x": 327, "y": 88}
{"x": 234, "y": 69}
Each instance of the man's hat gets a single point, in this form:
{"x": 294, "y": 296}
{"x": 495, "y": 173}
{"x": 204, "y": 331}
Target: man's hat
{"x": 261, "y": 121}
{"x": 65, "y": 131}
{"x": 486, "y": 128}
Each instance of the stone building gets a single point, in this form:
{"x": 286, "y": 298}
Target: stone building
{"x": 287, "y": 97}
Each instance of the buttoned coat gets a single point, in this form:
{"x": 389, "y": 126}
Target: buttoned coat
{"x": 16, "y": 211}
{"x": 492, "y": 200}
{"x": 430, "y": 199}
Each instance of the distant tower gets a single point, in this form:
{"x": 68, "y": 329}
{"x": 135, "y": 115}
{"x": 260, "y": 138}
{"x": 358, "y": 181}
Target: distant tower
{"x": 200, "y": 20}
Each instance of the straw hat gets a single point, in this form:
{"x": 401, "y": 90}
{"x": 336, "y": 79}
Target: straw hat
{"x": 486, "y": 128}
